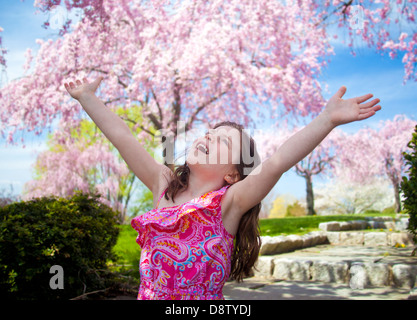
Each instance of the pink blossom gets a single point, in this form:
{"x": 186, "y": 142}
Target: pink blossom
{"x": 71, "y": 165}
{"x": 191, "y": 61}
{"x": 371, "y": 153}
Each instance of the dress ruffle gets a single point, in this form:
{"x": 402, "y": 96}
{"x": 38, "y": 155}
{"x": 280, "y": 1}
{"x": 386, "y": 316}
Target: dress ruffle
{"x": 169, "y": 216}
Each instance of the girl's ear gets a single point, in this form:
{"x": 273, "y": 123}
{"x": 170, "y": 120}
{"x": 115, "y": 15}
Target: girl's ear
{"x": 232, "y": 178}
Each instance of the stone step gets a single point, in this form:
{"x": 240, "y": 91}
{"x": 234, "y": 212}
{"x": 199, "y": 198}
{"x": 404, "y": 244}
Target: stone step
{"x": 358, "y": 266}
{"x": 282, "y": 244}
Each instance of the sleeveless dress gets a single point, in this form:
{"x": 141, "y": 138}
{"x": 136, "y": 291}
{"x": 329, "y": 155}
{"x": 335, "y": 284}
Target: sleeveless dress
{"x": 186, "y": 250}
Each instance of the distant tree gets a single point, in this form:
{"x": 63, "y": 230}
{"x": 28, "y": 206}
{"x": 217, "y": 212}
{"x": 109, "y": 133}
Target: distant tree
{"x": 318, "y": 162}
{"x": 371, "y": 153}
{"x": 295, "y": 210}
{"x": 340, "y": 196}
{"x": 278, "y": 208}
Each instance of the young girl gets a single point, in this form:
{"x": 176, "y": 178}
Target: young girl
{"x": 204, "y": 225}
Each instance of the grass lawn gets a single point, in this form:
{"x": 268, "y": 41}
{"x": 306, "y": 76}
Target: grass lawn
{"x": 127, "y": 251}
{"x": 306, "y": 224}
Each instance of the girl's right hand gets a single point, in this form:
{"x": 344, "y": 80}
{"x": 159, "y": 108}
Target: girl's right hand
{"x": 79, "y": 89}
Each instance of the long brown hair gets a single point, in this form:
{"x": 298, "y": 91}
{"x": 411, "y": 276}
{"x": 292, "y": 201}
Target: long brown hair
{"x": 247, "y": 240}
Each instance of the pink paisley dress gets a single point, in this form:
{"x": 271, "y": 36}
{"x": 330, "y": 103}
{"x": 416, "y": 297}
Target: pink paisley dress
{"x": 186, "y": 250}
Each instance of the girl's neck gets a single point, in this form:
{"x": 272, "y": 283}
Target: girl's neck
{"x": 199, "y": 185}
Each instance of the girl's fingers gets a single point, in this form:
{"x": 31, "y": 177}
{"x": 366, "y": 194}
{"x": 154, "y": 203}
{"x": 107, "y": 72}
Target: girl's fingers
{"x": 364, "y": 98}
{"x": 366, "y": 115}
{"x": 85, "y": 80}
{"x": 363, "y": 111}
{"x": 341, "y": 92}
{"x": 370, "y": 104}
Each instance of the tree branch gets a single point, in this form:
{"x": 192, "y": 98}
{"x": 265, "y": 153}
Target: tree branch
{"x": 205, "y": 104}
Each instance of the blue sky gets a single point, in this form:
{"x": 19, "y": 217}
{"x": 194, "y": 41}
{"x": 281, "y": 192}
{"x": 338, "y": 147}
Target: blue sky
{"x": 367, "y": 72}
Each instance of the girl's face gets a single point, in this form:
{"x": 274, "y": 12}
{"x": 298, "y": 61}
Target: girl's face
{"x": 217, "y": 152}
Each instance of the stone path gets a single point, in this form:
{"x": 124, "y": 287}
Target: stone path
{"x": 262, "y": 289}
{"x": 267, "y": 288}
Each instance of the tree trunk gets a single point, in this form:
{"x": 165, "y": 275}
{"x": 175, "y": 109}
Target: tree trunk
{"x": 396, "y": 181}
{"x": 397, "y": 197}
{"x": 310, "y": 196}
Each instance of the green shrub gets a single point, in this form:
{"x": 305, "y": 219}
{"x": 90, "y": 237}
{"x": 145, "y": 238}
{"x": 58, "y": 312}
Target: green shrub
{"x": 296, "y": 210}
{"x": 389, "y": 210}
{"x": 409, "y": 186}
{"x": 77, "y": 234}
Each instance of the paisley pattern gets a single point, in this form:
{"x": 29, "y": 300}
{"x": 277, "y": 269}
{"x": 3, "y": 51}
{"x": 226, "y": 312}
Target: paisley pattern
{"x": 186, "y": 251}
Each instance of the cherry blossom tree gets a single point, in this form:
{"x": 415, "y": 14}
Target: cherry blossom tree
{"x": 371, "y": 153}
{"x": 340, "y": 196}
{"x": 71, "y": 164}
{"x": 382, "y": 24}
{"x": 186, "y": 58}
{"x": 387, "y": 26}
{"x": 195, "y": 61}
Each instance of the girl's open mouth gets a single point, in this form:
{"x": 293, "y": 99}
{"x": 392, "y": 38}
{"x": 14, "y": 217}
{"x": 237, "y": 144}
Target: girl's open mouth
{"x": 202, "y": 147}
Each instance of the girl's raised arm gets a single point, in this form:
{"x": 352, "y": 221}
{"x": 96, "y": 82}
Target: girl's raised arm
{"x": 245, "y": 194}
{"x": 143, "y": 165}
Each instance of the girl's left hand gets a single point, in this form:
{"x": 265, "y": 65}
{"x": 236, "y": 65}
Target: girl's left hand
{"x": 342, "y": 111}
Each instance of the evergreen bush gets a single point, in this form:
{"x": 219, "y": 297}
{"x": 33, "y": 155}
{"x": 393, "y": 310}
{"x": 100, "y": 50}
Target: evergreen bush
{"x": 76, "y": 233}
{"x": 409, "y": 186}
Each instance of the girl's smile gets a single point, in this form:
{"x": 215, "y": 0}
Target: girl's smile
{"x": 202, "y": 147}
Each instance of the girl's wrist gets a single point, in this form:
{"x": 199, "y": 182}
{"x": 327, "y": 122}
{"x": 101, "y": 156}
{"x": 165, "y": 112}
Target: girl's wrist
{"x": 326, "y": 120}
{"x": 85, "y": 97}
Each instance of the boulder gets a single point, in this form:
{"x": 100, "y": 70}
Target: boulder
{"x": 351, "y": 238}
{"x": 359, "y": 224}
{"x": 345, "y": 226}
{"x": 308, "y": 240}
{"x": 294, "y": 242}
{"x": 269, "y": 245}
{"x": 326, "y": 271}
{"x": 404, "y": 275}
{"x": 378, "y": 274}
{"x": 402, "y": 238}
{"x": 280, "y": 244}
{"x": 333, "y": 238}
{"x": 330, "y": 226}
{"x": 288, "y": 269}
{"x": 358, "y": 276}
{"x": 319, "y": 237}
{"x": 374, "y": 239}
{"x": 264, "y": 267}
